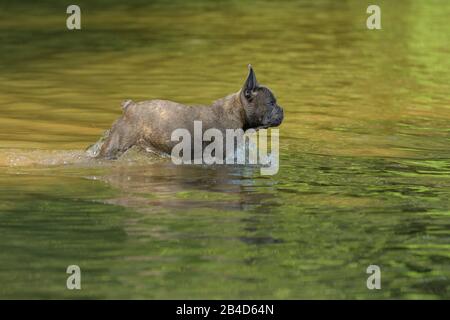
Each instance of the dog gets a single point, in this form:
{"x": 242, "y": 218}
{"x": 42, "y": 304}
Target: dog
{"x": 149, "y": 124}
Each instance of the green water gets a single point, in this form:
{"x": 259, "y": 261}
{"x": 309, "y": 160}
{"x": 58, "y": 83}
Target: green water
{"x": 364, "y": 151}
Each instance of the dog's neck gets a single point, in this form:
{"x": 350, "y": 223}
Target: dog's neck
{"x": 230, "y": 111}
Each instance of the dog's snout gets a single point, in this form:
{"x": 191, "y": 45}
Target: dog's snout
{"x": 276, "y": 116}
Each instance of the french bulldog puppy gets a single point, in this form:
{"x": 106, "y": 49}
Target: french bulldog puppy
{"x": 149, "y": 124}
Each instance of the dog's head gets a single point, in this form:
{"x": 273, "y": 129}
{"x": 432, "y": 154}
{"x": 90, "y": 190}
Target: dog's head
{"x": 260, "y": 104}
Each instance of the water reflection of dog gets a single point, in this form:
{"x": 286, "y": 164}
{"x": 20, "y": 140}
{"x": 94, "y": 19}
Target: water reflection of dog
{"x": 149, "y": 124}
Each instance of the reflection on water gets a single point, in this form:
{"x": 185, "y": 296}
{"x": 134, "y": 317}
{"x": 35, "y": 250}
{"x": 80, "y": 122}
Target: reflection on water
{"x": 364, "y": 170}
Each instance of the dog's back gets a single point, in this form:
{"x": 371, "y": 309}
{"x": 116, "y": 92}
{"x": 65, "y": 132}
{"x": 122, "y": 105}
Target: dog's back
{"x": 150, "y": 124}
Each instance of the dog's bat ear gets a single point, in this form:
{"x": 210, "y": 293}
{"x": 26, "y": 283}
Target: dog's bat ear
{"x": 250, "y": 84}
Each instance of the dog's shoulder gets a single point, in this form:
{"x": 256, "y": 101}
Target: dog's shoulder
{"x": 159, "y": 103}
